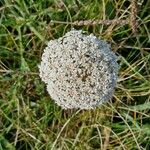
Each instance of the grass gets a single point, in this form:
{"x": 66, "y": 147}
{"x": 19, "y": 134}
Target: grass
{"x": 30, "y": 120}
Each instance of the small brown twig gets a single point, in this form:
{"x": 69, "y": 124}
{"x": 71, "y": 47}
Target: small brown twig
{"x": 133, "y": 21}
{"x": 93, "y": 22}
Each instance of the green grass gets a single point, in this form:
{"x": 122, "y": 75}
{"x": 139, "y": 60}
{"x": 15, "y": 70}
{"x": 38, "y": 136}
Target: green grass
{"x": 30, "y": 120}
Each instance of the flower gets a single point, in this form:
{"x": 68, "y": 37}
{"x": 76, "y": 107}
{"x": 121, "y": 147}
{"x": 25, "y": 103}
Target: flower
{"x": 80, "y": 70}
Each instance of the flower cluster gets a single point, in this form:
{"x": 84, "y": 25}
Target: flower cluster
{"x": 80, "y": 70}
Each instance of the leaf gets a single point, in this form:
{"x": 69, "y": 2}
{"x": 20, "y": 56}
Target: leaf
{"x": 141, "y": 106}
{"x": 5, "y": 145}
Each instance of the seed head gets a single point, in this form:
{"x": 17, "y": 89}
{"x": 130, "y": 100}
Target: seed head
{"x": 80, "y": 70}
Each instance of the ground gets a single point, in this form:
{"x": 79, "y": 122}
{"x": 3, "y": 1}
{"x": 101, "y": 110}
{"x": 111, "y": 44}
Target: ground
{"x": 29, "y": 119}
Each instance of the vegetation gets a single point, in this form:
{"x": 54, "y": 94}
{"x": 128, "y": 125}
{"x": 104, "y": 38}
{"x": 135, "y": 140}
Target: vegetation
{"x": 29, "y": 119}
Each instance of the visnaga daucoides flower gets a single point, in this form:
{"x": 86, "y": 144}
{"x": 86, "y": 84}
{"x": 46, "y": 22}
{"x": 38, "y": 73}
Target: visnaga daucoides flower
{"x": 80, "y": 70}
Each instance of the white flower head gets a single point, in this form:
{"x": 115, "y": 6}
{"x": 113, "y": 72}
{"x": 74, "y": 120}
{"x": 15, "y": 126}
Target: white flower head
{"x": 80, "y": 70}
